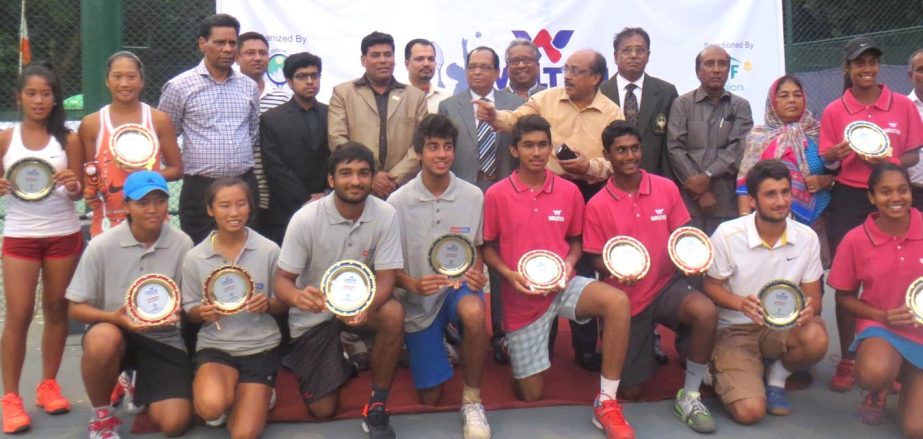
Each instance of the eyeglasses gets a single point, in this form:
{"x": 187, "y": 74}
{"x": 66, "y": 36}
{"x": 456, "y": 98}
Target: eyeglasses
{"x": 303, "y": 77}
{"x": 526, "y": 61}
{"x": 480, "y": 67}
{"x": 628, "y": 51}
{"x": 576, "y": 71}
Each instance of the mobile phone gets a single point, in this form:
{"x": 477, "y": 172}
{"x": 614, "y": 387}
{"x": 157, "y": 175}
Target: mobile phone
{"x": 563, "y": 152}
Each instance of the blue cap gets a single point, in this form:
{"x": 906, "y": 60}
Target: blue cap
{"x": 141, "y": 183}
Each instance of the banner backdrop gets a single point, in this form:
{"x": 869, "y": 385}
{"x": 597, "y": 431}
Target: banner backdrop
{"x": 750, "y": 30}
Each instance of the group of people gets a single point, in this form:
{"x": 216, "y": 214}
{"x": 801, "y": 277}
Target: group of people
{"x": 285, "y": 187}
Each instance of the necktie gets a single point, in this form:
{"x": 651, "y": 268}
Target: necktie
{"x": 631, "y": 104}
{"x": 487, "y": 148}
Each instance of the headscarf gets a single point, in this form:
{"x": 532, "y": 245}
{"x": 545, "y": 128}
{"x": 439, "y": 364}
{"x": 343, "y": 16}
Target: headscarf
{"x": 784, "y": 137}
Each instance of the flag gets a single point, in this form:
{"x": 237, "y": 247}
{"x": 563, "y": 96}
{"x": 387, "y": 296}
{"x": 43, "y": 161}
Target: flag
{"x": 25, "y": 52}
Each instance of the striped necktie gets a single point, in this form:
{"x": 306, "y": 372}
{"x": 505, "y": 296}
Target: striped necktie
{"x": 487, "y": 148}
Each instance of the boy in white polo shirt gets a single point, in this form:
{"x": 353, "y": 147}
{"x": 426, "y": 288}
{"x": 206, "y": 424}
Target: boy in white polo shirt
{"x": 434, "y": 204}
{"x": 750, "y": 252}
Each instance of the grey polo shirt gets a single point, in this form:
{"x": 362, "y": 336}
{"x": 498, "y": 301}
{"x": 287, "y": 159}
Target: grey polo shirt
{"x": 318, "y": 236}
{"x": 243, "y": 333}
{"x": 113, "y": 261}
{"x": 425, "y": 217}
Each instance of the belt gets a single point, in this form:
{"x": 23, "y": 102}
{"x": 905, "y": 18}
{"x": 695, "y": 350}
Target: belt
{"x": 483, "y": 176}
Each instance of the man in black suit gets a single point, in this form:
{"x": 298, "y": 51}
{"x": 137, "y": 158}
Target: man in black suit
{"x": 293, "y": 137}
{"x": 647, "y": 105}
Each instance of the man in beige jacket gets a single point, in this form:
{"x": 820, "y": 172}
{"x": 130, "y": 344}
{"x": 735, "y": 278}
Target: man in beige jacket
{"x": 380, "y": 113}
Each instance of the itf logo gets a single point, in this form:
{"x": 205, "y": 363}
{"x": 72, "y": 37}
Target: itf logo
{"x": 552, "y": 47}
{"x": 274, "y": 68}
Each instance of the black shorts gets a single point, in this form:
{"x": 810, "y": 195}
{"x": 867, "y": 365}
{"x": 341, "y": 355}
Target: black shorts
{"x": 640, "y": 362}
{"x": 316, "y": 359}
{"x": 259, "y": 368}
{"x": 163, "y": 371}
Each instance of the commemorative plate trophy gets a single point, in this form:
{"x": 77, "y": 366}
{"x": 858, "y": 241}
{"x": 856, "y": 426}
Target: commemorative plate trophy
{"x": 915, "y": 299}
{"x": 868, "y": 139}
{"x": 452, "y": 255}
{"x": 229, "y": 288}
{"x": 782, "y": 302}
{"x": 31, "y": 179}
{"x": 543, "y": 270}
{"x": 134, "y": 147}
{"x": 348, "y": 287}
{"x": 626, "y": 258}
{"x": 691, "y": 250}
{"x": 152, "y": 299}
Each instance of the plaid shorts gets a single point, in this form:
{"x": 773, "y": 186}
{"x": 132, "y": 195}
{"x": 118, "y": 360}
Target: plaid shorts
{"x": 529, "y": 345}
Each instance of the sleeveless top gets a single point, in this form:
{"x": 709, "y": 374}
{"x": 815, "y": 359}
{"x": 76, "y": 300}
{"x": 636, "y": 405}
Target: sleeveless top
{"x": 111, "y": 175}
{"x": 53, "y": 216}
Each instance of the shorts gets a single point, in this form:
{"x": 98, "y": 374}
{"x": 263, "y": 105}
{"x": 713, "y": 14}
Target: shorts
{"x": 909, "y": 349}
{"x": 529, "y": 345}
{"x": 640, "y": 362}
{"x": 737, "y": 360}
{"x": 163, "y": 371}
{"x": 38, "y": 249}
{"x": 429, "y": 362}
{"x": 316, "y": 359}
{"x": 259, "y": 368}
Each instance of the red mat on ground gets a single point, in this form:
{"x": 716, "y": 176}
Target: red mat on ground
{"x": 566, "y": 383}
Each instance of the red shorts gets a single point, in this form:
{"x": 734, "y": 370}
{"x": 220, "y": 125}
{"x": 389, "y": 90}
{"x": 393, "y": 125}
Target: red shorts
{"x": 37, "y": 249}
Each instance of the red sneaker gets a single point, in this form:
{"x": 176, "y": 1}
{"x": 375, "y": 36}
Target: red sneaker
{"x": 607, "y": 416}
{"x": 15, "y": 418}
{"x": 843, "y": 380}
{"x": 872, "y": 411}
{"x": 118, "y": 392}
{"x": 48, "y": 396}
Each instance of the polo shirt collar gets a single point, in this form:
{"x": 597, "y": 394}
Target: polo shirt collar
{"x": 700, "y": 94}
{"x": 333, "y": 215}
{"x": 597, "y": 103}
{"x": 364, "y": 81}
{"x": 519, "y": 186}
{"x": 203, "y": 71}
{"x": 753, "y": 235}
{"x": 127, "y": 239}
{"x": 883, "y": 103}
{"x": 643, "y": 189}
{"x": 878, "y": 237}
{"x": 249, "y": 245}
{"x": 421, "y": 193}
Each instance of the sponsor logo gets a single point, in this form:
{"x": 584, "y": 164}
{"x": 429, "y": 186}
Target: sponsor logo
{"x": 556, "y": 216}
{"x": 459, "y": 229}
{"x": 274, "y": 67}
{"x": 658, "y": 215}
{"x": 553, "y": 47}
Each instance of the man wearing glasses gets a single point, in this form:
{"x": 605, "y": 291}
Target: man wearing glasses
{"x": 522, "y": 58}
{"x": 578, "y": 113}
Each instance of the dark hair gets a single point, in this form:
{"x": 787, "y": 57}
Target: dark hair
{"x": 599, "y": 66}
{"x": 628, "y": 32}
{"x": 300, "y": 60}
{"x": 528, "y": 124}
{"x": 222, "y": 183}
{"x": 127, "y": 55}
{"x": 421, "y": 41}
{"x": 616, "y": 129}
{"x": 763, "y": 170}
{"x": 523, "y": 42}
{"x": 433, "y": 126}
{"x": 785, "y": 80}
{"x": 847, "y": 82}
{"x": 485, "y": 49}
{"x": 878, "y": 172}
{"x": 698, "y": 56}
{"x": 217, "y": 20}
{"x": 54, "y": 125}
{"x": 376, "y": 38}
{"x": 347, "y": 152}
{"x": 247, "y": 36}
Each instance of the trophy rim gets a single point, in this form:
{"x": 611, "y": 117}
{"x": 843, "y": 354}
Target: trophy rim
{"x": 469, "y": 251}
{"x": 234, "y": 270}
{"x": 17, "y": 167}
{"x": 333, "y": 272}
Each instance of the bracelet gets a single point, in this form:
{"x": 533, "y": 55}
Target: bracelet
{"x": 78, "y": 191}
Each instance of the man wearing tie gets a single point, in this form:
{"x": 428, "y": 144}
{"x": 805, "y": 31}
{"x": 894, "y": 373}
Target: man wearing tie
{"x": 482, "y": 156}
{"x": 644, "y": 99}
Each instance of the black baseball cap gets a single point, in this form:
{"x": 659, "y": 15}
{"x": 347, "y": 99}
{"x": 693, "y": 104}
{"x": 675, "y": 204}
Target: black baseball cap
{"x": 857, "y": 46}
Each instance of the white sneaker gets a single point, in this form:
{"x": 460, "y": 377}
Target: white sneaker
{"x": 105, "y": 428}
{"x": 476, "y": 426}
{"x": 127, "y": 381}
{"x": 217, "y": 422}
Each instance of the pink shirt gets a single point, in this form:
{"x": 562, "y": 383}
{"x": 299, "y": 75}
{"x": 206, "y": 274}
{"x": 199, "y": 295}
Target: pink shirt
{"x": 522, "y": 219}
{"x": 894, "y": 113}
{"x": 648, "y": 216}
{"x": 883, "y": 265}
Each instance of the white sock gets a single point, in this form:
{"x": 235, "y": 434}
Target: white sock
{"x": 777, "y": 374}
{"x": 695, "y": 373}
{"x": 608, "y": 388}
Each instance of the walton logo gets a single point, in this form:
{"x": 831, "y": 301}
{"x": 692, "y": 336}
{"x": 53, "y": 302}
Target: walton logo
{"x": 557, "y": 216}
{"x": 543, "y": 40}
{"x": 658, "y": 215}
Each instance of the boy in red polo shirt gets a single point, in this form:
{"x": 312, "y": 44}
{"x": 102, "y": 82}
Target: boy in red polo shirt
{"x": 648, "y": 208}
{"x": 533, "y": 209}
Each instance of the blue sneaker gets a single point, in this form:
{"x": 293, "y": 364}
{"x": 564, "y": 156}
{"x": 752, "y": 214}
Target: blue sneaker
{"x": 776, "y": 402}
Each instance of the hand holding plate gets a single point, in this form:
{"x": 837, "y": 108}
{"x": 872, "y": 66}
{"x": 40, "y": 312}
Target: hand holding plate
{"x": 208, "y": 312}
{"x": 806, "y": 314}
{"x": 431, "y": 284}
{"x": 67, "y": 179}
{"x": 519, "y": 282}
{"x": 124, "y": 321}
{"x": 258, "y": 304}
{"x": 4, "y": 186}
{"x": 627, "y": 280}
{"x": 476, "y": 279}
{"x": 310, "y": 299}
{"x": 356, "y": 320}
{"x": 752, "y": 308}
{"x": 838, "y": 152}
{"x": 900, "y": 316}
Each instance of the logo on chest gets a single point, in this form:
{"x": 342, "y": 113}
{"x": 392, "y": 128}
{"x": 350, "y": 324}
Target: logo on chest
{"x": 459, "y": 230}
{"x": 556, "y": 216}
{"x": 892, "y": 129}
{"x": 658, "y": 215}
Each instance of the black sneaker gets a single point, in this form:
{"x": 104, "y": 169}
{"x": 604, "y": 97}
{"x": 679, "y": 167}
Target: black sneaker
{"x": 376, "y": 421}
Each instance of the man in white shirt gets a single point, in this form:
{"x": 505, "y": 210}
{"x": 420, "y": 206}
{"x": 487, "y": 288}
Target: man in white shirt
{"x": 420, "y": 60}
{"x": 915, "y": 72}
